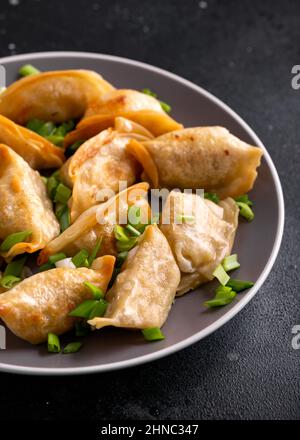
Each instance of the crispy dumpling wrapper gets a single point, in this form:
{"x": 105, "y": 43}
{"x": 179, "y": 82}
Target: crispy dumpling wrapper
{"x": 130, "y": 104}
{"x": 209, "y": 158}
{"x": 98, "y": 222}
{"x": 52, "y": 96}
{"x": 40, "y": 304}
{"x": 143, "y": 292}
{"x": 38, "y": 152}
{"x": 200, "y": 242}
{"x": 101, "y": 163}
{"x": 24, "y": 204}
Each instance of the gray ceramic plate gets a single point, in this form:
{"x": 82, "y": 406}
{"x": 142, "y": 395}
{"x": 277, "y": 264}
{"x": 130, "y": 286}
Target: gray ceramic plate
{"x": 257, "y": 244}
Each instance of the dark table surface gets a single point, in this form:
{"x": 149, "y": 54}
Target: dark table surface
{"x": 243, "y": 52}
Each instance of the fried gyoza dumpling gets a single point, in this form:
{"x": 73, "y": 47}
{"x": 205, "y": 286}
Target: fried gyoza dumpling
{"x": 143, "y": 292}
{"x": 207, "y": 158}
{"x": 36, "y": 150}
{"x": 98, "y": 222}
{"x": 99, "y": 164}
{"x": 203, "y": 240}
{"x": 131, "y": 104}
{"x": 41, "y": 304}
{"x": 52, "y": 96}
{"x": 24, "y": 205}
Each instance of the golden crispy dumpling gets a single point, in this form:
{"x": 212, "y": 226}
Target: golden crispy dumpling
{"x": 52, "y": 96}
{"x": 130, "y": 104}
{"x": 209, "y": 158}
{"x": 98, "y": 222}
{"x": 36, "y": 150}
{"x": 99, "y": 164}
{"x": 200, "y": 234}
{"x": 41, "y": 304}
{"x": 24, "y": 204}
{"x": 143, "y": 292}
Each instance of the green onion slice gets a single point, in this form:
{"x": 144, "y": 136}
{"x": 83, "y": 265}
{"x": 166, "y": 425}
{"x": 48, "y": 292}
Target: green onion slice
{"x": 52, "y": 184}
{"x": 133, "y": 230}
{"x": 28, "y": 69}
{"x": 244, "y": 199}
{"x": 84, "y": 309}
{"x": 230, "y": 263}
{"x": 8, "y": 281}
{"x": 57, "y": 257}
{"x": 153, "y": 334}
{"x": 35, "y": 125}
{"x": 63, "y": 193}
{"x": 53, "y": 343}
{"x": 64, "y": 219}
{"x": 46, "y": 266}
{"x": 56, "y": 139}
{"x": 239, "y": 285}
{"x": 121, "y": 258}
{"x": 95, "y": 251}
{"x": 47, "y": 129}
{"x": 212, "y": 196}
{"x": 96, "y": 291}
{"x": 72, "y": 347}
{"x": 166, "y": 107}
{"x": 120, "y": 233}
{"x": 12, "y": 239}
{"x": 245, "y": 211}
{"x": 15, "y": 267}
{"x": 80, "y": 259}
{"x": 224, "y": 295}
{"x": 99, "y": 309}
{"x": 149, "y": 92}
{"x": 221, "y": 275}
{"x": 123, "y": 246}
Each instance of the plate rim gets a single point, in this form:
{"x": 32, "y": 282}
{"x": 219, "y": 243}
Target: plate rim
{"x": 8, "y": 368}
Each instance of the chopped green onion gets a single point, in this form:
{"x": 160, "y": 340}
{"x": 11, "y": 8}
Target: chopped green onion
{"x": 149, "y": 92}
{"x": 64, "y": 219}
{"x": 46, "y": 129}
{"x": 244, "y": 199}
{"x": 64, "y": 128}
{"x": 56, "y": 174}
{"x": 72, "y": 148}
{"x": 245, "y": 211}
{"x": 56, "y": 139}
{"x": 133, "y": 230}
{"x": 15, "y": 267}
{"x": 185, "y": 218}
{"x": 99, "y": 309}
{"x": 63, "y": 193}
{"x": 121, "y": 258}
{"x": 44, "y": 179}
{"x": 224, "y": 295}
{"x": 72, "y": 347}
{"x": 153, "y": 334}
{"x": 59, "y": 209}
{"x": 123, "y": 246}
{"x": 84, "y": 309}
{"x": 80, "y": 259}
{"x": 9, "y": 281}
{"x": 35, "y": 124}
{"x": 230, "y": 263}
{"x": 96, "y": 291}
{"x": 13, "y": 239}
{"x": 82, "y": 328}
{"x": 52, "y": 185}
{"x": 95, "y": 251}
{"x": 221, "y": 275}
{"x": 57, "y": 257}
{"x": 28, "y": 69}
{"x": 46, "y": 266}
{"x": 53, "y": 343}
{"x": 166, "y": 107}
{"x": 239, "y": 285}
{"x": 212, "y": 196}
{"x": 120, "y": 233}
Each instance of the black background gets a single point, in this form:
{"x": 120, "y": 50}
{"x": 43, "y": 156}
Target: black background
{"x": 243, "y": 52}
